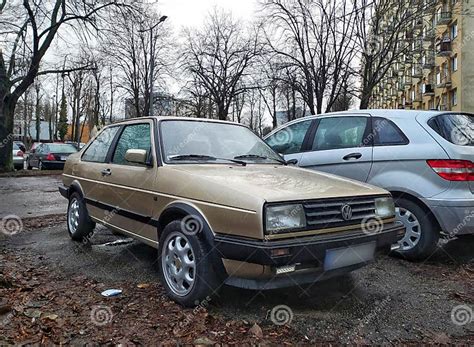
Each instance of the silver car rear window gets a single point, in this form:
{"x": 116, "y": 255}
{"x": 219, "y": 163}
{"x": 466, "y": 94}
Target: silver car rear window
{"x": 455, "y": 128}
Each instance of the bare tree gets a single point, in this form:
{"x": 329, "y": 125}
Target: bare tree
{"x": 28, "y": 29}
{"x": 219, "y": 56}
{"x": 137, "y": 48}
{"x": 315, "y": 37}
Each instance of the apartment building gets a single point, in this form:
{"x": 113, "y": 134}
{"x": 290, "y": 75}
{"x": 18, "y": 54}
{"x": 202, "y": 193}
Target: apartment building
{"x": 437, "y": 69}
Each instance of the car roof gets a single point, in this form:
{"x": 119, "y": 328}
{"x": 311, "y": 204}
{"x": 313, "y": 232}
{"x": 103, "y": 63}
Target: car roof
{"x": 391, "y": 113}
{"x": 166, "y": 118}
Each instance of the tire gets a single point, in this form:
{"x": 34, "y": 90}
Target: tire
{"x": 79, "y": 224}
{"x": 28, "y": 166}
{"x": 467, "y": 237}
{"x": 422, "y": 235}
{"x": 201, "y": 280}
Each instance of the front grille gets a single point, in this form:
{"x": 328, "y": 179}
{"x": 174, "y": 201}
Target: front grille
{"x": 328, "y": 214}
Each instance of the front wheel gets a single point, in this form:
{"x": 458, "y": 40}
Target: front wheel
{"x": 421, "y": 236}
{"x": 186, "y": 271}
{"x": 79, "y": 224}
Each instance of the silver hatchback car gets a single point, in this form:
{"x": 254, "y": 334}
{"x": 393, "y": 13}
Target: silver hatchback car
{"x": 424, "y": 158}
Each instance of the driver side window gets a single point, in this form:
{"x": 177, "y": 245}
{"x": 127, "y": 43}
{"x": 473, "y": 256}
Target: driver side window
{"x": 289, "y": 140}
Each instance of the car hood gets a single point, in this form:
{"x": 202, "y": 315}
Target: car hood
{"x": 249, "y": 186}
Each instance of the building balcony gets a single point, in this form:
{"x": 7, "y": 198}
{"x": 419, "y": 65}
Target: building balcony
{"x": 428, "y": 90}
{"x": 444, "y": 82}
{"x": 444, "y": 47}
{"x": 429, "y": 34}
{"x": 418, "y": 97}
{"x": 417, "y": 45}
{"x": 407, "y": 81}
{"x": 429, "y": 61}
{"x": 444, "y": 18}
{"x": 417, "y": 71}
{"x": 443, "y": 108}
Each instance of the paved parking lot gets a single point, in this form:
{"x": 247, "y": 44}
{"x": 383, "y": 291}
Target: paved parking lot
{"x": 390, "y": 301}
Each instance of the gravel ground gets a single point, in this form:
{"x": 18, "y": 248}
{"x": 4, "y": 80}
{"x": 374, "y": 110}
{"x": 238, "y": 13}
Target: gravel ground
{"x": 31, "y": 196}
{"x": 389, "y": 301}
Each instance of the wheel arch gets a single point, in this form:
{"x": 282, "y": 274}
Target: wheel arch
{"x": 179, "y": 210}
{"x": 397, "y": 194}
{"x": 75, "y": 187}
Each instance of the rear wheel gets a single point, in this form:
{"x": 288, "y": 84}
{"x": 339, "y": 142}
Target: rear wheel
{"x": 186, "y": 271}
{"x": 79, "y": 224}
{"x": 421, "y": 236}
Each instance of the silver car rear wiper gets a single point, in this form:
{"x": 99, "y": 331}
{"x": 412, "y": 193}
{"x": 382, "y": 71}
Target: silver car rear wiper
{"x": 202, "y": 157}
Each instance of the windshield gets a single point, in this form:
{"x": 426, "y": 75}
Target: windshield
{"x": 456, "y": 128}
{"x": 213, "y": 142}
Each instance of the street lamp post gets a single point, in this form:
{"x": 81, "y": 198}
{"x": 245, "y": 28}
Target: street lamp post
{"x": 152, "y": 63}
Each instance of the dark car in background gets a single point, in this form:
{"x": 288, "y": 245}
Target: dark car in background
{"x": 50, "y": 156}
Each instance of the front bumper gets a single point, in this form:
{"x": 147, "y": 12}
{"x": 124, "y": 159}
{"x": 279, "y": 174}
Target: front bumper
{"x": 307, "y": 254}
{"x": 456, "y": 217}
{"x": 302, "y": 250}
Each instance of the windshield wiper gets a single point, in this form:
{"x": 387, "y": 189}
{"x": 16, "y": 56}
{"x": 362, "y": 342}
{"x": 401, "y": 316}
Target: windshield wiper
{"x": 202, "y": 157}
{"x": 256, "y": 156}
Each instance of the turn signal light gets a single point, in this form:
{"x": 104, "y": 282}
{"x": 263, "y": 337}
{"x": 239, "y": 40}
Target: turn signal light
{"x": 280, "y": 252}
{"x": 453, "y": 170}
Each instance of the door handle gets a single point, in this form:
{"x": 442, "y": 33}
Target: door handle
{"x": 353, "y": 156}
{"x": 106, "y": 172}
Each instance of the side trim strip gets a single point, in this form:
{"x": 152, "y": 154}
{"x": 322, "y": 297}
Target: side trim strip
{"x": 162, "y": 194}
{"x": 122, "y": 212}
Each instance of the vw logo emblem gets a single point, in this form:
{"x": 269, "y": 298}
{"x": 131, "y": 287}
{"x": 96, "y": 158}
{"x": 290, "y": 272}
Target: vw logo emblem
{"x": 346, "y": 212}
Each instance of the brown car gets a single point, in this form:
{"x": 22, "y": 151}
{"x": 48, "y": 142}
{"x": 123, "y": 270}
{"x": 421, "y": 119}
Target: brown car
{"x": 222, "y": 207}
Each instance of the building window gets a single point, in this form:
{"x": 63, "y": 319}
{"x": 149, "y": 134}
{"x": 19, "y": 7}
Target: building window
{"x": 454, "y": 31}
{"x": 438, "y": 77}
{"x": 454, "y": 97}
{"x": 455, "y": 63}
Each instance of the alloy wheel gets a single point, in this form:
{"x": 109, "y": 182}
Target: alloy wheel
{"x": 73, "y": 216}
{"x": 412, "y": 226}
{"x": 178, "y": 264}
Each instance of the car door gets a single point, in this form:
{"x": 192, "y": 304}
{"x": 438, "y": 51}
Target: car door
{"x": 341, "y": 145}
{"x": 289, "y": 141}
{"x": 129, "y": 186}
{"x": 90, "y": 170}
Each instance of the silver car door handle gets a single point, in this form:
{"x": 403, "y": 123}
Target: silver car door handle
{"x": 353, "y": 156}
{"x": 106, "y": 172}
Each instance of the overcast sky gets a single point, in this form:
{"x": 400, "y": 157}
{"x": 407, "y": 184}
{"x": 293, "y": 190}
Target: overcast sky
{"x": 192, "y": 12}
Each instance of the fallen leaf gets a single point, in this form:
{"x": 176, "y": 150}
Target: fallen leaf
{"x": 143, "y": 285}
{"x": 256, "y": 331}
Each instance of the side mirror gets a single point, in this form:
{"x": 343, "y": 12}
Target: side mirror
{"x": 136, "y": 156}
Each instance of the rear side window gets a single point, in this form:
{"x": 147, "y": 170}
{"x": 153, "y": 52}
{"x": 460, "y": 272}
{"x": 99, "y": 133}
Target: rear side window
{"x": 386, "y": 133}
{"x": 455, "y": 128}
{"x": 97, "y": 151}
{"x": 289, "y": 140}
{"x": 135, "y": 136}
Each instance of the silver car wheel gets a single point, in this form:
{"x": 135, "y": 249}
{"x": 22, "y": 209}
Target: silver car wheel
{"x": 178, "y": 264}
{"x": 73, "y": 215}
{"x": 412, "y": 226}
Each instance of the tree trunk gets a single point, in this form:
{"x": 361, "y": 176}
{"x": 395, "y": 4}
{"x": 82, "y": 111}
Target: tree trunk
{"x": 7, "y": 110}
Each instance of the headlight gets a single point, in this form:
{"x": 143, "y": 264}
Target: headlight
{"x": 384, "y": 207}
{"x": 283, "y": 217}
